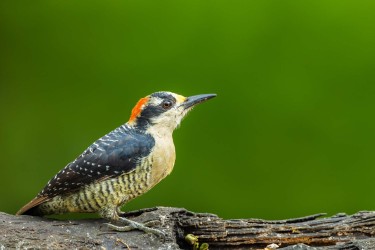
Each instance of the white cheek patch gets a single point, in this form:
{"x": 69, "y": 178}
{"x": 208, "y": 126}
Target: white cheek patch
{"x": 155, "y": 101}
{"x": 169, "y": 119}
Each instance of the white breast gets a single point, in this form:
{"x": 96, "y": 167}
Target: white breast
{"x": 163, "y": 155}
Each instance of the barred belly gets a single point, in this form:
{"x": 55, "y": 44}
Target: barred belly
{"x": 113, "y": 192}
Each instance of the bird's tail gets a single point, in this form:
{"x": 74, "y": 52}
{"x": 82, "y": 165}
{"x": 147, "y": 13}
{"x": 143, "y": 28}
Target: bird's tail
{"x": 32, "y": 208}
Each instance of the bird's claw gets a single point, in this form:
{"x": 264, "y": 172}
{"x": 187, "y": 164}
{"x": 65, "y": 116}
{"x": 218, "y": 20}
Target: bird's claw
{"x": 152, "y": 223}
{"x": 132, "y": 225}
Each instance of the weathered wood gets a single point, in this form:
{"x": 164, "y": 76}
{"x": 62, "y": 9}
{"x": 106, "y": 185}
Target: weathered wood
{"x": 257, "y": 233}
{"x": 312, "y": 232}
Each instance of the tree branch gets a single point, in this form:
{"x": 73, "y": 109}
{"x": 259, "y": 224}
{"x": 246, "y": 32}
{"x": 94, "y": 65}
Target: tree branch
{"x": 337, "y": 232}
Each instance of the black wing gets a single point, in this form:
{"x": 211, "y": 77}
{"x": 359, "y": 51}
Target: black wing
{"x": 112, "y": 155}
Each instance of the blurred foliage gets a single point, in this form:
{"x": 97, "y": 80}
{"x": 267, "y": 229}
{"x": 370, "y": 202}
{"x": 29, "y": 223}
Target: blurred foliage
{"x": 291, "y": 132}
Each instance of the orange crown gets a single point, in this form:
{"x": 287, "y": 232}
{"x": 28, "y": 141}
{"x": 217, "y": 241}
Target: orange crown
{"x": 138, "y": 108}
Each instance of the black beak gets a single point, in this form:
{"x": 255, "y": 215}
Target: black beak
{"x": 196, "y": 99}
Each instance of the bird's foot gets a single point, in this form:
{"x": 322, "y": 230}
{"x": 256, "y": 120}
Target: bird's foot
{"x": 132, "y": 225}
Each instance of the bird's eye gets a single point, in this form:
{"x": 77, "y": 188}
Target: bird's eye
{"x": 167, "y": 104}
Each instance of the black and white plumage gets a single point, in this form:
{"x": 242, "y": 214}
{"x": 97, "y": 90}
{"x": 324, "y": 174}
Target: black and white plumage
{"x": 114, "y": 154}
{"x": 121, "y": 165}
{"x": 119, "y": 152}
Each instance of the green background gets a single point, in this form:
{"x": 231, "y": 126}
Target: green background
{"x": 291, "y": 132}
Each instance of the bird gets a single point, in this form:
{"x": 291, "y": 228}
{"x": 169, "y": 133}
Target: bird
{"x": 120, "y": 166}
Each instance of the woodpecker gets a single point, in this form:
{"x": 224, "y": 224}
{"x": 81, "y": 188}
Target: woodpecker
{"x": 121, "y": 165}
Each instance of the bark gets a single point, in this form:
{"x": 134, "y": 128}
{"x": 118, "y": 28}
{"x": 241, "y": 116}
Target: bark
{"x": 311, "y": 232}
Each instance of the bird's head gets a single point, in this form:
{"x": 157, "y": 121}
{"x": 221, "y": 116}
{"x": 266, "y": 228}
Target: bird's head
{"x": 163, "y": 110}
